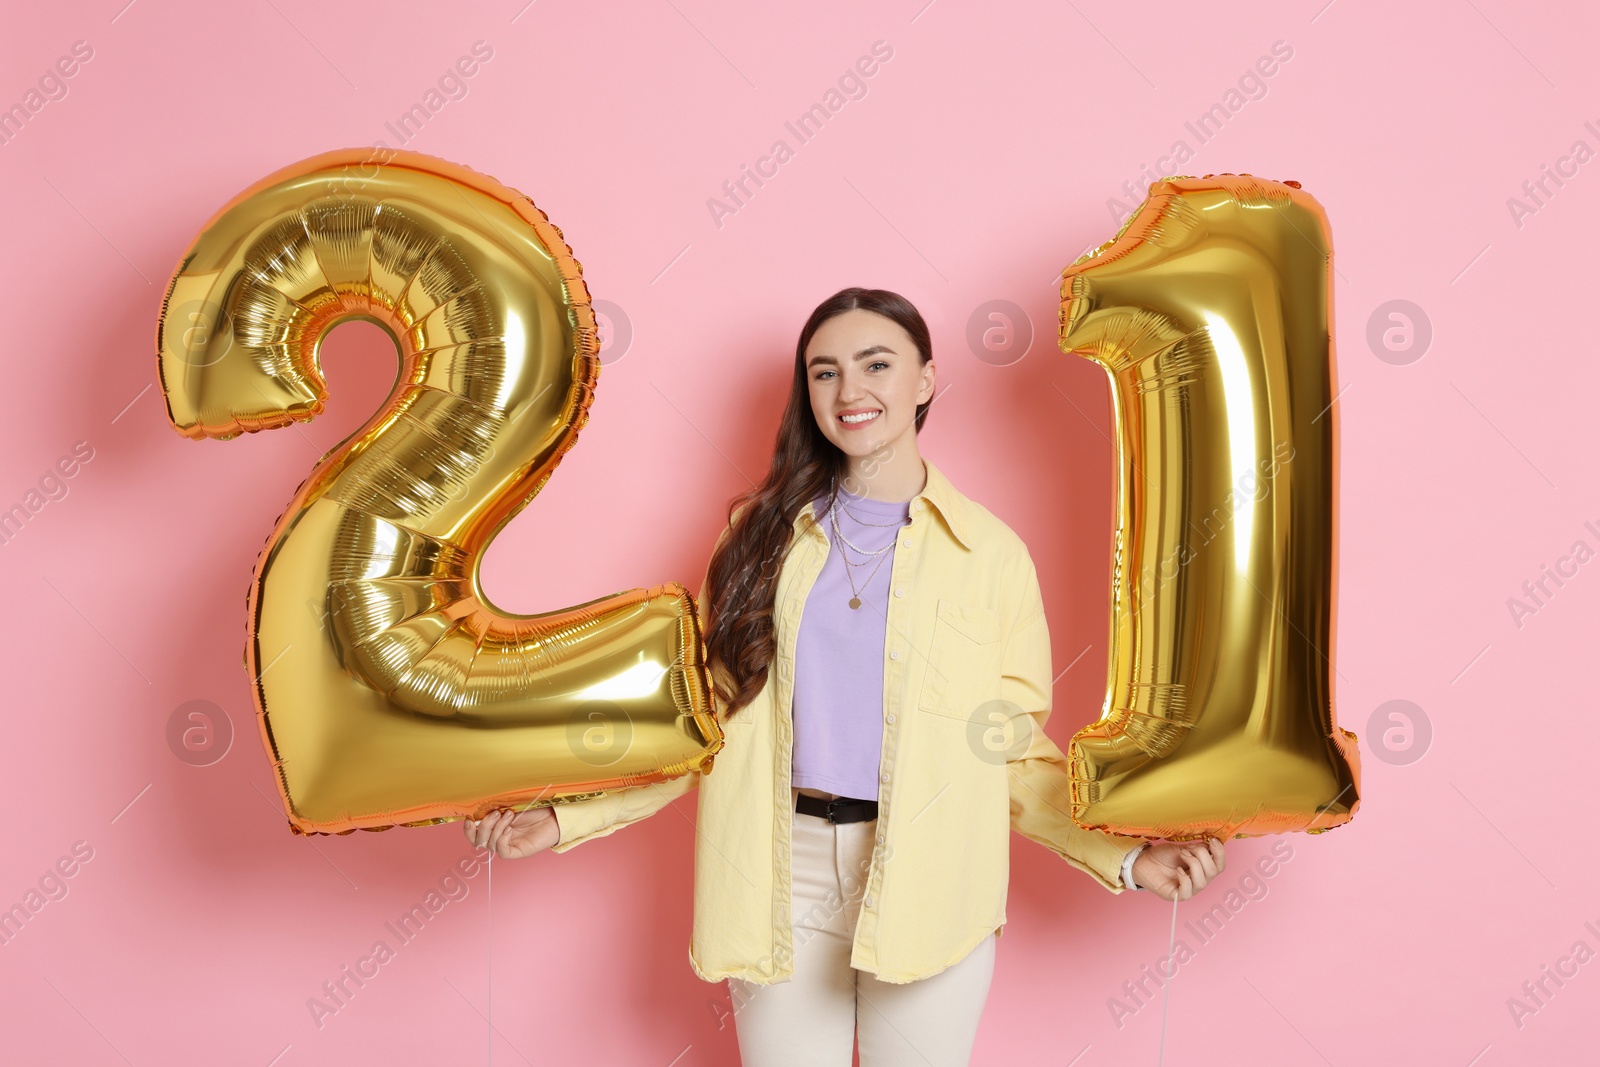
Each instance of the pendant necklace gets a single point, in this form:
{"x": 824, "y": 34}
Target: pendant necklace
{"x": 882, "y": 554}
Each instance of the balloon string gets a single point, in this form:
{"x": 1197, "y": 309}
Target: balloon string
{"x": 1166, "y": 989}
{"x": 491, "y": 959}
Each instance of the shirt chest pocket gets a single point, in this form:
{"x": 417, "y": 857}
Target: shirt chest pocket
{"x": 963, "y": 659}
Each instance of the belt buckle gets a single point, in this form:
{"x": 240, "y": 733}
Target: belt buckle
{"x": 837, "y": 804}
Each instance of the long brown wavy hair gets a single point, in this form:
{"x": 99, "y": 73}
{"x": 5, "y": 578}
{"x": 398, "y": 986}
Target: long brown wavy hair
{"x": 741, "y": 584}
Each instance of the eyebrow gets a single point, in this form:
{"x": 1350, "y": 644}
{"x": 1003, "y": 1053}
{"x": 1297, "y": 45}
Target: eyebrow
{"x": 870, "y": 350}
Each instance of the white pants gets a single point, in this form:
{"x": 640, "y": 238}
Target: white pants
{"x": 815, "y": 1019}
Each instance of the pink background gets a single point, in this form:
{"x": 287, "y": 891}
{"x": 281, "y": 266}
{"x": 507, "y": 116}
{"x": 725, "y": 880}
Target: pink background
{"x": 978, "y": 164}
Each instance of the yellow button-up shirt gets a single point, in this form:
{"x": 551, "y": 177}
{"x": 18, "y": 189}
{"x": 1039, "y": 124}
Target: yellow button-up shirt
{"x": 966, "y": 691}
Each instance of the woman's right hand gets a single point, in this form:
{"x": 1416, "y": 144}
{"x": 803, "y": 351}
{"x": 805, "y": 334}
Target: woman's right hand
{"x": 1177, "y": 870}
{"x": 513, "y": 835}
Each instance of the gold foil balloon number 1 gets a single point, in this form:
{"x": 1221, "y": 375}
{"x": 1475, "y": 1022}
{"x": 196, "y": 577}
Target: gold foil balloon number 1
{"x": 389, "y": 690}
{"x": 1210, "y": 312}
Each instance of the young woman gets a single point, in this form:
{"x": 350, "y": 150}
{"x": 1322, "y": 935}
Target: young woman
{"x": 882, "y": 664}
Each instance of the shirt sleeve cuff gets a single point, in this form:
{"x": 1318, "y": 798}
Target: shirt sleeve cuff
{"x": 1127, "y": 865}
{"x": 584, "y": 820}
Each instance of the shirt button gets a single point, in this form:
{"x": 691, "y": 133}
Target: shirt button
{"x": 868, "y": 902}
{"x": 891, "y": 718}
{"x": 901, "y": 591}
{"x": 907, "y": 542}
{"x": 886, "y": 777}
{"x": 895, "y": 654}
{"x": 880, "y": 839}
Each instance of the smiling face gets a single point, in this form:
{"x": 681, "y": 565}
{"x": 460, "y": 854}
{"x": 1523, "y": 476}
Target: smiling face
{"x": 866, "y": 380}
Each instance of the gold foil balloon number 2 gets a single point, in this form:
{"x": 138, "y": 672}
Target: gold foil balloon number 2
{"x": 1210, "y": 312}
{"x": 388, "y": 689}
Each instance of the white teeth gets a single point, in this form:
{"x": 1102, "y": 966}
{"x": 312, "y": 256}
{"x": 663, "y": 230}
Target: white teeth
{"x": 867, "y": 416}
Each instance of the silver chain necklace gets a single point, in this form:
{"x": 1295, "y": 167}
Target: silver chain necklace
{"x": 882, "y": 554}
{"x": 859, "y": 550}
{"x": 863, "y": 522}
{"x": 836, "y": 505}
{"x": 834, "y": 508}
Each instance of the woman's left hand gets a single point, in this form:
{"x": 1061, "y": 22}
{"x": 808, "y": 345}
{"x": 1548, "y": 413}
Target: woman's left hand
{"x": 1177, "y": 870}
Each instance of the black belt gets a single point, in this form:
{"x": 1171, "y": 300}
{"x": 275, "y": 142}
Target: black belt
{"x": 840, "y": 809}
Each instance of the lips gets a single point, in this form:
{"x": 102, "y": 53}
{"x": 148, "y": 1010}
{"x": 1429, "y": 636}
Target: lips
{"x": 852, "y": 420}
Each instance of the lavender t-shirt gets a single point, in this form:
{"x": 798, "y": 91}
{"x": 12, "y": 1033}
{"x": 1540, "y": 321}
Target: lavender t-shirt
{"x": 838, "y": 670}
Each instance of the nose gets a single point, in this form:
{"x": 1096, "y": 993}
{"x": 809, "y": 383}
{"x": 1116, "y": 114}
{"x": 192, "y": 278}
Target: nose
{"x": 850, "y": 387}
